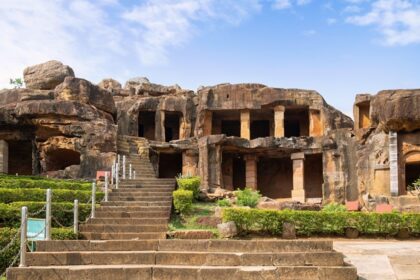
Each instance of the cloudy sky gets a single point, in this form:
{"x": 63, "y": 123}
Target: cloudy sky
{"x": 338, "y": 48}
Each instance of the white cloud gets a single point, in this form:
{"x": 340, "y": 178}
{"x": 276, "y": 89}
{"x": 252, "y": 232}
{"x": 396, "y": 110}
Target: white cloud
{"x": 90, "y": 35}
{"x": 285, "y": 4}
{"x": 331, "y": 21}
{"x": 397, "y": 20}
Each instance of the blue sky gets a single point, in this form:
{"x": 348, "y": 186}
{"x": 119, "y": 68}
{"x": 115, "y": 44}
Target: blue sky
{"x": 339, "y": 48}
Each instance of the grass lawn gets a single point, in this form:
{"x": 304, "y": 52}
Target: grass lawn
{"x": 189, "y": 222}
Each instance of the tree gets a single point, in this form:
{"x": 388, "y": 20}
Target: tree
{"x": 17, "y": 83}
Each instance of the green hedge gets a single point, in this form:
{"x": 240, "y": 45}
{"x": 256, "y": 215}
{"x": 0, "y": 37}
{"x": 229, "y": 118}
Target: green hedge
{"x": 10, "y": 214}
{"x": 9, "y": 182}
{"x": 190, "y": 184}
{"x": 321, "y": 223}
{"x": 183, "y": 200}
{"x": 13, "y": 195}
{"x": 7, "y": 234}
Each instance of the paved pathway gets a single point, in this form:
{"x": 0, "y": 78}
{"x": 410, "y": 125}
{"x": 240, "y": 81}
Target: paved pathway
{"x": 382, "y": 259}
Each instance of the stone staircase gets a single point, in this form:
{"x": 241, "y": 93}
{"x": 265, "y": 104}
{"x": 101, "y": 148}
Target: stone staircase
{"x": 138, "y": 209}
{"x": 127, "y": 240}
{"x": 185, "y": 259}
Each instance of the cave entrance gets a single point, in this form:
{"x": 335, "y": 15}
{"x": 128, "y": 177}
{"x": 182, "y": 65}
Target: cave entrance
{"x": 172, "y": 124}
{"x": 233, "y": 171}
{"x": 170, "y": 165}
{"x": 313, "y": 176}
{"x": 364, "y": 111}
{"x": 226, "y": 122}
{"x": 20, "y": 157}
{"x": 262, "y": 123}
{"x": 59, "y": 159}
{"x": 296, "y": 122}
{"x": 412, "y": 172}
{"x": 275, "y": 177}
{"x": 146, "y": 123}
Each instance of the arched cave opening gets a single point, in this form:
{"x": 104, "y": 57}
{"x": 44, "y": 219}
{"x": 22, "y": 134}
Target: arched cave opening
{"x": 20, "y": 157}
{"x": 59, "y": 159}
{"x": 170, "y": 165}
{"x": 146, "y": 122}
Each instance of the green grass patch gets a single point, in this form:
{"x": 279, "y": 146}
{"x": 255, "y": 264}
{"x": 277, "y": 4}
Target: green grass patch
{"x": 189, "y": 221}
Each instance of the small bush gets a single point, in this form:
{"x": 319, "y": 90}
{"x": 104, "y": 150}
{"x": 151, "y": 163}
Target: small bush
{"x": 310, "y": 223}
{"x": 183, "y": 200}
{"x": 247, "y": 197}
{"x": 224, "y": 203}
{"x": 334, "y": 207}
{"x": 190, "y": 184}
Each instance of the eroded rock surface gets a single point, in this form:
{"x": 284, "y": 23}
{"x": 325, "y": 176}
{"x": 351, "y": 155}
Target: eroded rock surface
{"x": 46, "y": 75}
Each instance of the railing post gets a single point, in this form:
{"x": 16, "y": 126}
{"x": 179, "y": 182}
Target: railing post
{"x": 134, "y": 174}
{"x": 23, "y": 230}
{"x": 117, "y": 176}
{"x": 118, "y": 159}
{"x": 92, "y": 215}
{"x": 112, "y": 173}
{"x": 130, "y": 172}
{"x": 123, "y": 167}
{"x": 106, "y": 186}
{"x": 48, "y": 216}
{"x": 76, "y": 217}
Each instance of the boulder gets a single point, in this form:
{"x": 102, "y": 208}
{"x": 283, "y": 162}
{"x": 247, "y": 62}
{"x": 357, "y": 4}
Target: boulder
{"x": 75, "y": 89}
{"x": 110, "y": 85}
{"x": 142, "y": 86}
{"x": 46, "y": 75}
{"x": 396, "y": 110}
{"x": 227, "y": 230}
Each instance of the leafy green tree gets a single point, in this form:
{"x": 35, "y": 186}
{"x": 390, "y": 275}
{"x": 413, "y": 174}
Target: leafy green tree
{"x": 17, "y": 83}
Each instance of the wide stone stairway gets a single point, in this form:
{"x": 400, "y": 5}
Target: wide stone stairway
{"x": 127, "y": 240}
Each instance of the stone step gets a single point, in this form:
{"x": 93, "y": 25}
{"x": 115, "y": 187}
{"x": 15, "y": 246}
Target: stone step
{"x": 141, "y": 190}
{"x": 133, "y": 208}
{"x": 151, "y": 186}
{"x": 185, "y": 258}
{"x": 130, "y": 221}
{"x": 140, "y": 194}
{"x": 136, "y": 203}
{"x": 160, "y": 272}
{"x": 132, "y": 214}
{"x": 180, "y": 245}
{"x": 141, "y": 198}
{"x": 124, "y": 228}
{"x": 123, "y": 235}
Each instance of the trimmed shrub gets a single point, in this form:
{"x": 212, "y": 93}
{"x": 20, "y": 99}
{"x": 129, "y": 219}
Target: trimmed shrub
{"x": 183, "y": 200}
{"x": 310, "y": 223}
{"x": 190, "y": 184}
{"x": 58, "y": 195}
{"x": 247, "y": 197}
{"x": 10, "y": 182}
{"x": 7, "y": 234}
{"x": 223, "y": 203}
{"x": 334, "y": 207}
{"x": 10, "y": 214}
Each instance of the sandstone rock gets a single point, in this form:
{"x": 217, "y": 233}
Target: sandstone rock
{"x": 218, "y": 212}
{"x": 46, "y": 75}
{"x": 227, "y": 230}
{"x": 289, "y": 231}
{"x": 142, "y": 86}
{"x": 396, "y": 110}
{"x": 75, "y": 89}
{"x": 110, "y": 85}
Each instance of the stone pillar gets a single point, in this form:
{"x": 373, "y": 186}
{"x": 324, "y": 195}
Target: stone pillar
{"x": 208, "y": 120}
{"x": 246, "y": 124}
{"x": 279, "y": 121}
{"x": 393, "y": 162}
{"x": 189, "y": 162}
{"x": 4, "y": 157}
{"x": 160, "y": 126}
{"x": 298, "y": 192}
{"x": 315, "y": 123}
{"x": 251, "y": 171}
